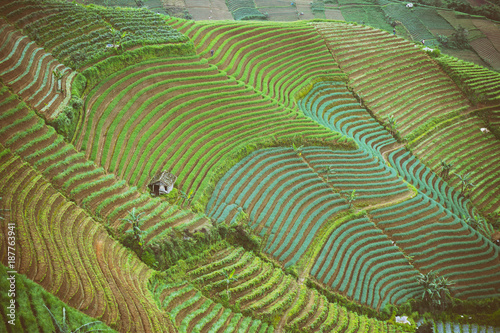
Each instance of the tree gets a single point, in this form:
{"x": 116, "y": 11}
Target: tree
{"x": 445, "y": 171}
{"x": 228, "y": 279}
{"x": 136, "y": 221}
{"x": 298, "y": 150}
{"x": 64, "y": 328}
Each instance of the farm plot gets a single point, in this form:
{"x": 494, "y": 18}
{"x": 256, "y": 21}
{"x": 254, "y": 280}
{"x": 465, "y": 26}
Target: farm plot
{"x": 333, "y": 106}
{"x": 81, "y": 180}
{"x": 490, "y": 30}
{"x": 274, "y": 59}
{"x": 288, "y": 198}
{"x": 266, "y": 292}
{"x": 393, "y": 78}
{"x": 184, "y": 116}
{"x": 79, "y": 36}
{"x": 476, "y": 80}
{"x": 69, "y": 254}
{"x": 370, "y": 15}
{"x": 360, "y": 261}
{"x": 439, "y": 241}
{"x": 411, "y": 19}
{"x": 28, "y": 70}
{"x": 461, "y": 142}
{"x": 208, "y": 10}
{"x": 487, "y": 52}
{"x": 244, "y": 10}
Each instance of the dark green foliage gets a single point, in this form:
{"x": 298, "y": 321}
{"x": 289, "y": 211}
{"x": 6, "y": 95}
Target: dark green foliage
{"x": 67, "y": 121}
{"x": 181, "y": 245}
{"x": 491, "y": 11}
{"x": 436, "y": 292}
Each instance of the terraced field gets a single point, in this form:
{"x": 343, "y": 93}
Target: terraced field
{"x": 288, "y": 199}
{"x": 317, "y": 145}
{"x": 476, "y": 80}
{"x": 202, "y": 107}
{"x": 80, "y": 36}
{"x": 274, "y": 59}
{"x": 71, "y": 256}
{"x": 102, "y": 194}
{"x": 267, "y": 292}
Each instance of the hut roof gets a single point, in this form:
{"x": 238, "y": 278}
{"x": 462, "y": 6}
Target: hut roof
{"x": 495, "y": 236}
{"x": 164, "y": 177}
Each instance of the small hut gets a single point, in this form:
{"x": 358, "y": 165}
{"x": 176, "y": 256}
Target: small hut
{"x": 162, "y": 183}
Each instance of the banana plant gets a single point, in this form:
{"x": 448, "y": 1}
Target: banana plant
{"x": 228, "y": 279}
{"x": 297, "y": 149}
{"x": 137, "y": 221}
{"x": 446, "y": 168}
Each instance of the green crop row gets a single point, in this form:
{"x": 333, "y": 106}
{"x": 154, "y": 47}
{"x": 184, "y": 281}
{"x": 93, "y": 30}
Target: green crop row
{"x": 235, "y": 255}
{"x": 279, "y": 292}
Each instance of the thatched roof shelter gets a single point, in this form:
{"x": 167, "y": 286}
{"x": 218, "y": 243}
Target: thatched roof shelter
{"x": 162, "y": 183}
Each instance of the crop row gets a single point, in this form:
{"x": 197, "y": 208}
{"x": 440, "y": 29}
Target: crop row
{"x": 193, "y": 312}
{"x": 462, "y": 144}
{"x": 184, "y": 126}
{"x": 344, "y": 114}
{"x": 282, "y": 198}
{"x": 403, "y": 103}
{"x": 361, "y": 262}
{"x": 474, "y": 79}
{"x": 263, "y": 291}
{"x": 89, "y": 42}
{"x": 427, "y": 182}
{"x": 356, "y": 170}
{"x": 27, "y": 69}
{"x": 438, "y": 240}
{"x": 61, "y": 248}
{"x": 102, "y": 194}
{"x": 274, "y": 59}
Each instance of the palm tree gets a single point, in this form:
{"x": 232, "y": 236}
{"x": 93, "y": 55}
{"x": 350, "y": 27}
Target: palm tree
{"x": 137, "y": 221}
{"x": 63, "y": 327}
{"x": 228, "y": 279}
{"x": 445, "y": 172}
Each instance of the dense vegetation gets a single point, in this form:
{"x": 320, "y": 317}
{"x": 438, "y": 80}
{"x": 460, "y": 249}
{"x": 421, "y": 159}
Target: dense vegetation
{"x": 330, "y": 176}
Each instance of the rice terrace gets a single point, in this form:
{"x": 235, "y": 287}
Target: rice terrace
{"x": 250, "y": 166}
